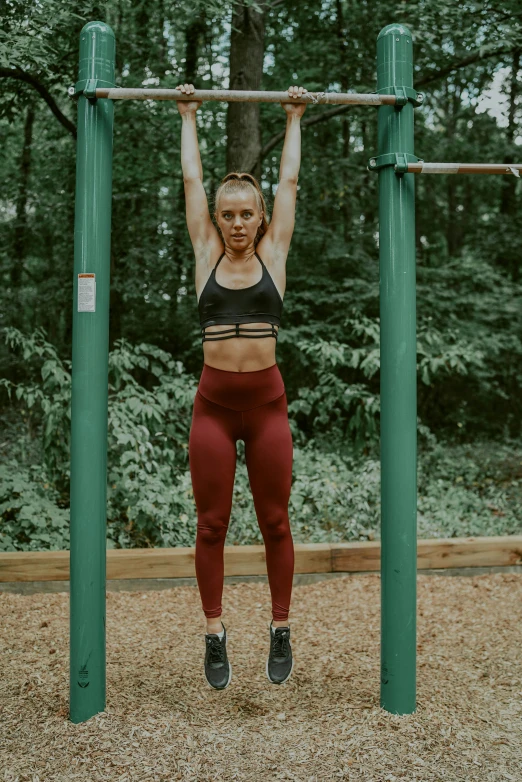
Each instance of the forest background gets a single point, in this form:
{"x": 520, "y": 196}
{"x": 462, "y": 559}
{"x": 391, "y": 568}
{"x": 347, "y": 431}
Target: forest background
{"x": 467, "y": 59}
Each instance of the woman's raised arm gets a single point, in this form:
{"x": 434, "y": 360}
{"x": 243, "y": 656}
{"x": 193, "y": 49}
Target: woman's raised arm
{"x": 203, "y": 233}
{"x": 281, "y": 228}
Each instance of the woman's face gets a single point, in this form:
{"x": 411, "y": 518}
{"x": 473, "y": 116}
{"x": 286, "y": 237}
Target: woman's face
{"x": 239, "y": 218}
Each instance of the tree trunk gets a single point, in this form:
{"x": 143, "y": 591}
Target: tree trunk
{"x": 20, "y": 225}
{"x": 193, "y": 36}
{"x": 509, "y": 255}
{"x": 345, "y": 122}
{"x": 196, "y": 37}
{"x": 246, "y": 69}
{"x": 453, "y": 226}
{"x": 509, "y": 183}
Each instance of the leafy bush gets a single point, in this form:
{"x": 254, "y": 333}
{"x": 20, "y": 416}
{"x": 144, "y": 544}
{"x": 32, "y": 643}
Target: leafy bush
{"x": 463, "y": 489}
{"x": 31, "y": 517}
{"x": 342, "y": 397}
{"x": 148, "y": 500}
{"x": 468, "y": 490}
{"x": 331, "y": 499}
{"x": 150, "y": 497}
{"x": 47, "y": 396}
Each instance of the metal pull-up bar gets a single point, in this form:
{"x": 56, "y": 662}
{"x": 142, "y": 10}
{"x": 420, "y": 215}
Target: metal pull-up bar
{"x": 246, "y": 96}
{"x": 464, "y": 168}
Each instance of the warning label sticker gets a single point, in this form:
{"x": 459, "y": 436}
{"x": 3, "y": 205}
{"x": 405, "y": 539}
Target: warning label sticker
{"x": 86, "y": 293}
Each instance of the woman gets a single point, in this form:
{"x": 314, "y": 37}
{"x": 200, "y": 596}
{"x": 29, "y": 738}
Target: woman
{"x": 240, "y": 284}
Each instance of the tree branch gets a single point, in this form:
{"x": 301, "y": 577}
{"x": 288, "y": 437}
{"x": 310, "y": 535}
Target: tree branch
{"x": 18, "y": 73}
{"x": 434, "y": 75}
{"x": 31, "y": 276}
{"x": 305, "y": 123}
{"x": 421, "y": 81}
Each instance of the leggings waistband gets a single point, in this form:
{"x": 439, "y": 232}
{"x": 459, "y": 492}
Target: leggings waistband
{"x": 241, "y": 391}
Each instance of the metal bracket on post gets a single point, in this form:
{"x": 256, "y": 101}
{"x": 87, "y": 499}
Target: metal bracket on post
{"x": 404, "y": 95}
{"x": 399, "y": 161}
{"x": 87, "y": 87}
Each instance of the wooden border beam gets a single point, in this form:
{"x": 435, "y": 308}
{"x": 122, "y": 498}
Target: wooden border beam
{"x": 250, "y": 560}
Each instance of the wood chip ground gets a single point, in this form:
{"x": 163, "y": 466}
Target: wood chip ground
{"x": 163, "y": 722}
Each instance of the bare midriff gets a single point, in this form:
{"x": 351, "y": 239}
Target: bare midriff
{"x": 240, "y": 354}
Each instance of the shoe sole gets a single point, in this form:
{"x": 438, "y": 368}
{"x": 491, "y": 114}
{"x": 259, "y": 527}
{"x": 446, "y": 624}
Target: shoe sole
{"x": 284, "y": 680}
{"x": 226, "y": 685}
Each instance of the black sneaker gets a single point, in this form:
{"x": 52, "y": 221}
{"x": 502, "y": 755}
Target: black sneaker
{"x": 280, "y": 661}
{"x": 217, "y": 667}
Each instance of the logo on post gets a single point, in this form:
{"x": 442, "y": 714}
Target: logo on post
{"x": 83, "y": 674}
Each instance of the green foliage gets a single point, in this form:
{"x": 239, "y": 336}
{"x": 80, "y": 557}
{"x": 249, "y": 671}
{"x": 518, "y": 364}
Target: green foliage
{"x": 147, "y": 434}
{"x": 469, "y": 358}
{"x": 468, "y": 243}
{"x": 335, "y": 494}
{"x": 31, "y": 518}
{"x": 334, "y": 498}
{"x": 150, "y": 497}
{"x": 47, "y": 395}
{"x": 470, "y": 490}
{"x": 32, "y": 32}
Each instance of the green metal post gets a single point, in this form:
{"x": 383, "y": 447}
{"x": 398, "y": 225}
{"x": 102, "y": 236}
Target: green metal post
{"x": 90, "y": 378}
{"x": 398, "y": 382}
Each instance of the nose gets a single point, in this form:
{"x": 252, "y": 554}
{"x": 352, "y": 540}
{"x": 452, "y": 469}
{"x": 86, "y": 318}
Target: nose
{"x": 238, "y": 225}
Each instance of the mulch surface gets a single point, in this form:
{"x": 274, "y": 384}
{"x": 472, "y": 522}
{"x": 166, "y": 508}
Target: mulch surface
{"x": 163, "y": 721}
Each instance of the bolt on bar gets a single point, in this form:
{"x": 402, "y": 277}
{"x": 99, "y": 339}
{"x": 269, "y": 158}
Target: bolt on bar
{"x": 246, "y": 96}
{"x": 465, "y": 168}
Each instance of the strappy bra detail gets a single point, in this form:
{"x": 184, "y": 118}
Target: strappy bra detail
{"x": 258, "y": 303}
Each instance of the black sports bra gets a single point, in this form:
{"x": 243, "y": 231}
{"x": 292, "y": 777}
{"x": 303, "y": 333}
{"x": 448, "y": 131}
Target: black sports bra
{"x": 261, "y": 303}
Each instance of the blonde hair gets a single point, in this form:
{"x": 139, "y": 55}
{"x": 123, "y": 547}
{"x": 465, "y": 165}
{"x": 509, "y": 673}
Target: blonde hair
{"x": 237, "y": 181}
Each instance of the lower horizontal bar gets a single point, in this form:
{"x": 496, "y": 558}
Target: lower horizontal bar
{"x": 465, "y": 168}
{"x": 238, "y": 96}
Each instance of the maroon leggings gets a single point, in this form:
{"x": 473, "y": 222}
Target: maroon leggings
{"x": 248, "y": 406}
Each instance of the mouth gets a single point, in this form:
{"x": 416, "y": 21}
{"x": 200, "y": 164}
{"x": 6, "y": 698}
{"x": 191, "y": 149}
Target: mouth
{"x": 238, "y": 236}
